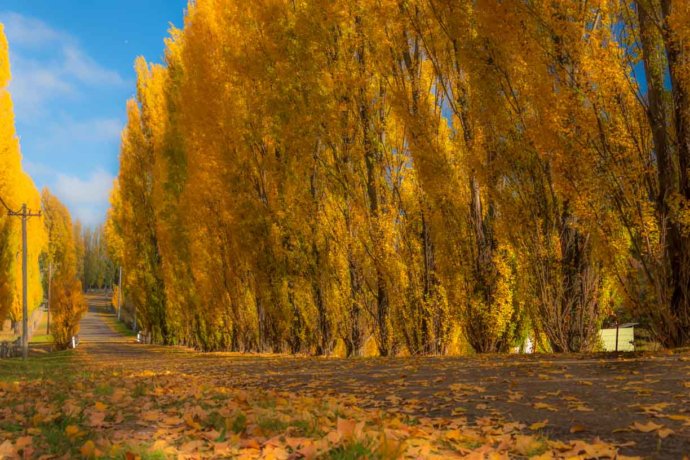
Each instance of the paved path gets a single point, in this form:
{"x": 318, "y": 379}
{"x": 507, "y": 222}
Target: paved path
{"x": 100, "y": 340}
{"x": 94, "y": 325}
{"x": 601, "y": 395}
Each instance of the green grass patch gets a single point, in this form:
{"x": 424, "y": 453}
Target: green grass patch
{"x": 141, "y": 389}
{"x": 239, "y": 424}
{"x": 539, "y": 449}
{"x": 266, "y": 403}
{"x": 271, "y": 425}
{"x": 118, "y": 326}
{"x": 141, "y": 451}
{"x": 306, "y": 428}
{"x": 42, "y": 339}
{"x": 50, "y": 365}
{"x": 56, "y": 439}
{"x": 103, "y": 389}
{"x": 353, "y": 451}
{"x": 11, "y": 427}
{"x": 215, "y": 421}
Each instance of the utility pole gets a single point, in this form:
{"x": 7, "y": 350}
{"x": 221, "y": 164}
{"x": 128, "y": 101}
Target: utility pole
{"x": 25, "y": 214}
{"x": 119, "y": 295}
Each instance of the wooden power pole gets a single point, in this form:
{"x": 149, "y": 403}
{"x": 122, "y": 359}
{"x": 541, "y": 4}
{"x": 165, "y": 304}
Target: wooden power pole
{"x": 25, "y": 214}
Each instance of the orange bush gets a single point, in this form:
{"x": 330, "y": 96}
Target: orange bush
{"x": 68, "y": 306}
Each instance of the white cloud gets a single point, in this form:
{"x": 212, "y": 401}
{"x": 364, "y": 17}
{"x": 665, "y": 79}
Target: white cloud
{"x": 37, "y": 169}
{"x": 89, "y": 215}
{"x": 94, "y": 190}
{"x": 35, "y": 83}
{"x": 84, "y": 69}
{"x": 26, "y": 31}
{"x": 58, "y": 66}
{"x": 51, "y": 75}
{"x": 66, "y": 132}
{"x": 87, "y": 199}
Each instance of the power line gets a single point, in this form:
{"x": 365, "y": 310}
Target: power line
{"x": 9, "y": 211}
{"x": 25, "y": 214}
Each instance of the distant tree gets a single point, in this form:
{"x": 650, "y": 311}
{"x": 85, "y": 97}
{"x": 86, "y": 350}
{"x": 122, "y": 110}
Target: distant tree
{"x": 67, "y": 301}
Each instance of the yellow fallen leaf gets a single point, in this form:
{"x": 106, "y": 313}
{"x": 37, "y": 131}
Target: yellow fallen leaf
{"x": 71, "y": 408}
{"x": 524, "y": 444}
{"x": 250, "y": 444}
{"x": 7, "y": 450}
{"x": 88, "y": 449}
{"x": 664, "y": 433}
{"x": 160, "y": 444}
{"x": 221, "y": 448}
{"x": 679, "y": 418}
{"x": 583, "y": 408}
{"x": 117, "y": 395}
{"x": 646, "y": 427}
{"x": 191, "y": 446}
{"x": 538, "y": 425}
{"x": 37, "y": 419}
{"x": 151, "y": 416}
{"x": 653, "y": 408}
{"x": 346, "y": 428}
{"x": 558, "y": 445}
{"x": 191, "y": 423}
{"x": 99, "y": 406}
{"x": 23, "y": 442}
{"x": 544, "y": 456}
{"x": 96, "y": 419}
{"x": 541, "y": 405}
{"x": 172, "y": 421}
{"x": 72, "y": 431}
{"x": 577, "y": 428}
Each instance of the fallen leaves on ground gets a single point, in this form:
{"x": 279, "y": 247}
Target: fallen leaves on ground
{"x": 649, "y": 427}
{"x": 134, "y": 414}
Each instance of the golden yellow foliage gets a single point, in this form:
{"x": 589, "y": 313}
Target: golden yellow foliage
{"x": 302, "y": 176}
{"x": 67, "y": 304}
{"x": 16, "y": 188}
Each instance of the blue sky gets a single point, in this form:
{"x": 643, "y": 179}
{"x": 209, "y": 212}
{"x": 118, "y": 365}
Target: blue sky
{"x": 72, "y": 72}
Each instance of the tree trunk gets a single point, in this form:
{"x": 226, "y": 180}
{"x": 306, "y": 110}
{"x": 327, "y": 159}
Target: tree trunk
{"x": 658, "y": 45}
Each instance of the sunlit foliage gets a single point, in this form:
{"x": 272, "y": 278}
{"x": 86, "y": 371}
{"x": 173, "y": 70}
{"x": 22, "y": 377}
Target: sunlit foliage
{"x": 412, "y": 176}
{"x": 16, "y": 188}
{"x": 67, "y": 304}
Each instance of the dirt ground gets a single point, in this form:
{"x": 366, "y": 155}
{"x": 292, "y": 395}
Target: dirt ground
{"x": 611, "y": 397}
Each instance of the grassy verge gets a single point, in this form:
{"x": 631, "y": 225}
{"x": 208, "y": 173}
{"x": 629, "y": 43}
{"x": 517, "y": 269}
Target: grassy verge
{"x": 119, "y": 326}
{"x": 42, "y": 339}
{"x": 35, "y": 368}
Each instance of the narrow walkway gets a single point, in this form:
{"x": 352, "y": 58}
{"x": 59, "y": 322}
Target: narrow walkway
{"x": 602, "y": 394}
{"x": 94, "y": 325}
{"x": 100, "y": 340}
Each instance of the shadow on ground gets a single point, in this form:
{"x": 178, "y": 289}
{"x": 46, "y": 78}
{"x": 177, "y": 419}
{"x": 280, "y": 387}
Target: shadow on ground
{"x": 581, "y": 396}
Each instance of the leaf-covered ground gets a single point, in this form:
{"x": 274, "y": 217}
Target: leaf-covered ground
{"x": 117, "y": 399}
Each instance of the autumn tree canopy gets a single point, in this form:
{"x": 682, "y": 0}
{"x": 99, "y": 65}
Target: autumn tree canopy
{"x": 67, "y": 304}
{"x": 51, "y": 243}
{"x": 418, "y": 176}
{"x": 16, "y": 188}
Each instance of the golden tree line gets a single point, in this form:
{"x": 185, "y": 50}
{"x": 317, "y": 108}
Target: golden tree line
{"x": 422, "y": 175}
{"x": 51, "y": 242}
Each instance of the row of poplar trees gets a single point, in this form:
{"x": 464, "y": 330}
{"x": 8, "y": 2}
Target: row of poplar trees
{"x": 318, "y": 175}
{"x": 51, "y": 250}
